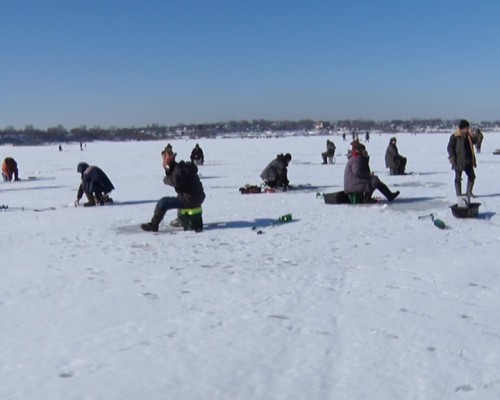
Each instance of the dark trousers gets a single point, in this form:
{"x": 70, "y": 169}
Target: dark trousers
{"x": 469, "y": 171}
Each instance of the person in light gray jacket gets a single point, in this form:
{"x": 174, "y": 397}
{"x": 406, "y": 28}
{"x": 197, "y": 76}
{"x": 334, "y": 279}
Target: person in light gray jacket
{"x": 275, "y": 175}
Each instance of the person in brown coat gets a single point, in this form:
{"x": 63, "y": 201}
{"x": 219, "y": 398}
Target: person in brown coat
{"x": 462, "y": 157}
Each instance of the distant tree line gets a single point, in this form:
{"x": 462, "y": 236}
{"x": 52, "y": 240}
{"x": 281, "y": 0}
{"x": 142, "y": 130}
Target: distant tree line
{"x": 59, "y": 134}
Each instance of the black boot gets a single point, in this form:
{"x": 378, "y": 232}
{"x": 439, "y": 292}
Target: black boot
{"x": 387, "y": 192}
{"x": 155, "y": 221}
{"x": 99, "y": 198}
{"x": 470, "y": 185}
{"x": 91, "y": 200}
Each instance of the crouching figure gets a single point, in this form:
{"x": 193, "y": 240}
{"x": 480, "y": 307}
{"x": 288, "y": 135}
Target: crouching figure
{"x": 95, "y": 184}
{"x": 275, "y": 175}
{"x": 9, "y": 170}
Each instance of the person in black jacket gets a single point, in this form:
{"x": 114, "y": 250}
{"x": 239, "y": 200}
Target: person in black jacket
{"x": 183, "y": 176}
{"x": 95, "y": 184}
{"x": 197, "y": 156}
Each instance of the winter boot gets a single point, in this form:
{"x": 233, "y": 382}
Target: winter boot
{"x": 470, "y": 185}
{"x": 155, "y": 221}
{"x": 387, "y": 192}
{"x": 458, "y": 188}
{"x": 91, "y": 200}
{"x": 99, "y": 198}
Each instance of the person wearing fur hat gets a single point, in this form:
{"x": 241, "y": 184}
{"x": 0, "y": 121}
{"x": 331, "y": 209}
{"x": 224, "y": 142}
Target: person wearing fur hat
{"x": 462, "y": 157}
{"x": 393, "y": 160}
{"x": 275, "y": 175}
{"x": 95, "y": 184}
{"x": 358, "y": 178}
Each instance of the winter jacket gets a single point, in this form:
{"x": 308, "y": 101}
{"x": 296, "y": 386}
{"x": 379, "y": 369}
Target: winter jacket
{"x": 392, "y": 157}
{"x": 183, "y": 177}
{"x": 357, "y": 175}
{"x": 461, "y": 151}
{"x": 94, "y": 179}
{"x": 197, "y": 154}
{"x": 276, "y": 171}
{"x": 330, "y": 149}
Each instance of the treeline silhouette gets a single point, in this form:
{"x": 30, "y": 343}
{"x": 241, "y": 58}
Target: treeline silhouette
{"x": 59, "y": 134}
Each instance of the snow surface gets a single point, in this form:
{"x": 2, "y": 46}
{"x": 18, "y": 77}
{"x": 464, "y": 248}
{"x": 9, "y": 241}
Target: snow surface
{"x": 344, "y": 302}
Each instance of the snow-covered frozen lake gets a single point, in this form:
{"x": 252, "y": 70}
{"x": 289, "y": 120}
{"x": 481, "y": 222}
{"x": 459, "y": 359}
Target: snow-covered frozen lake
{"x": 344, "y": 302}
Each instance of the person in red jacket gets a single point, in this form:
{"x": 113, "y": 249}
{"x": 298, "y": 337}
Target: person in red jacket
{"x": 9, "y": 170}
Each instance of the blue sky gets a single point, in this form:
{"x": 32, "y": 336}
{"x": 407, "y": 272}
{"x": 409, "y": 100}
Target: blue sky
{"x": 133, "y": 63}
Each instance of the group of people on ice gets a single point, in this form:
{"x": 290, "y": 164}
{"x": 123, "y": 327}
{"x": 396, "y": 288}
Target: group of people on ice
{"x": 361, "y": 181}
{"x": 358, "y": 177}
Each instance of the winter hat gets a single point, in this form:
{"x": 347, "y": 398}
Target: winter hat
{"x": 288, "y": 157}
{"x": 167, "y": 150}
{"x": 463, "y": 124}
{"x": 393, "y": 139}
{"x": 357, "y": 145}
{"x": 82, "y": 167}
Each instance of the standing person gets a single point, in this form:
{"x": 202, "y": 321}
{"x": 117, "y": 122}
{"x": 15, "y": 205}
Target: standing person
{"x": 393, "y": 160}
{"x": 330, "y": 151}
{"x": 183, "y": 177}
{"x": 479, "y": 139}
{"x": 367, "y": 136}
{"x": 95, "y": 184}
{"x": 343, "y": 136}
{"x": 462, "y": 157}
{"x": 358, "y": 179}
{"x": 275, "y": 175}
{"x": 197, "y": 156}
{"x": 9, "y": 170}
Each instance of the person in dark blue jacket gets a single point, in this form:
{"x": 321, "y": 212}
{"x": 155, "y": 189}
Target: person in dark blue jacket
{"x": 95, "y": 184}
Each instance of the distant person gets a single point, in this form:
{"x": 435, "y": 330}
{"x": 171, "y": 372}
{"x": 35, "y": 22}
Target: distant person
{"x": 275, "y": 175}
{"x": 367, "y": 136}
{"x": 95, "y": 184}
{"x": 60, "y": 148}
{"x": 393, "y": 160}
{"x": 462, "y": 157}
{"x": 329, "y": 153}
{"x": 479, "y": 139}
{"x": 358, "y": 179}
{"x": 343, "y": 136}
{"x": 197, "y": 156}
{"x": 183, "y": 177}
{"x": 9, "y": 170}
{"x": 81, "y": 146}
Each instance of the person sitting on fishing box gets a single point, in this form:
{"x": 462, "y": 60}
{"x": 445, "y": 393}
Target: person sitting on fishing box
{"x": 359, "y": 180}
{"x": 183, "y": 177}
